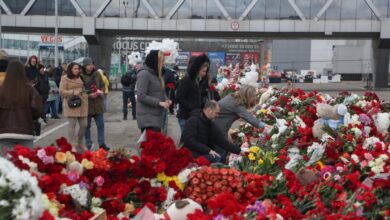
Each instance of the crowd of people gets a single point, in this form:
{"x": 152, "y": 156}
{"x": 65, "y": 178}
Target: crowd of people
{"x": 79, "y": 93}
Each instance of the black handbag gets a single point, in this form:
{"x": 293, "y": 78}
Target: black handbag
{"x": 74, "y": 101}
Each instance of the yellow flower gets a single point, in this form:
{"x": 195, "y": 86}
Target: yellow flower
{"x": 254, "y": 149}
{"x": 251, "y": 157}
{"x": 50, "y": 206}
{"x": 264, "y": 111}
{"x": 60, "y": 157}
{"x": 260, "y": 161}
{"x": 69, "y": 157}
{"x": 319, "y": 163}
{"x": 87, "y": 164}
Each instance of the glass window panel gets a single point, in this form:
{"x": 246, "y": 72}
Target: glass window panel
{"x": 241, "y": 5}
{"x": 139, "y": 10}
{"x": 184, "y": 12}
{"x": 157, "y": 6}
{"x": 348, "y": 9}
{"x": 42, "y": 7}
{"x": 66, "y": 8}
{"x": 258, "y": 11}
{"x": 364, "y": 12}
{"x": 95, "y": 4}
{"x": 167, "y": 7}
{"x": 272, "y": 9}
{"x": 304, "y": 5}
{"x": 212, "y": 11}
{"x": 316, "y": 6}
{"x": 334, "y": 11}
{"x": 287, "y": 12}
{"x": 16, "y": 6}
{"x": 382, "y": 6}
{"x": 112, "y": 9}
{"x": 198, "y": 8}
{"x": 86, "y": 6}
{"x": 230, "y": 6}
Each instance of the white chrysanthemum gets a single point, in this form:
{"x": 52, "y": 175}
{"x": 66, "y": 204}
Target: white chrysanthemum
{"x": 29, "y": 205}
{"x": 377, "y": 169}
{"x": 371, "y": 141}
{"x": 357, "y": 132}
{"x": 355, "y": 158}
{"x": 383, "y": 157}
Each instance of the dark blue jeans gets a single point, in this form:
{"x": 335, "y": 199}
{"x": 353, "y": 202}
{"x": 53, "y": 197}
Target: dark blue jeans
{"x": 126, "y": 96}
{"x": 53, "y": 108}
{"x": 182, "y": 124}
{"x": 99, "y": 120}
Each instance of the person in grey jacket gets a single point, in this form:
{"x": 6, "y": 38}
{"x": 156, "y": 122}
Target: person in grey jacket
{"x": 151, "y": 98}
{"x": 234, "y": 106}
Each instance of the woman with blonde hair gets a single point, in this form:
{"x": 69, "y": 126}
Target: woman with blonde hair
{"x": 72, "y": 86}
{"x": 235, "y": 106}
{"x": 151, "y": 98}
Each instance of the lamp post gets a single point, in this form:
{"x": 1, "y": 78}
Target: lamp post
{"x": 56, "y": 34}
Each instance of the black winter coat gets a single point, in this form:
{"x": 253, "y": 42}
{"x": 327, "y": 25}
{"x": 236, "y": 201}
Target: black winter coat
{"x": 200, "y": 135}
{"x": 43, "y": 86}
{"x": 32, "y": 73}
{"x": 188, "y": 97}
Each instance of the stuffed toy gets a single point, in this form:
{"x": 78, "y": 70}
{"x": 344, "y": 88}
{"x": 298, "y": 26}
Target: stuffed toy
{"x": 265, "y": 96}
{"x": 134, "y": 58}
{"x": 328, "y": 115}
{"x": 179, "y": 210}
{"x": 382, "y": 122}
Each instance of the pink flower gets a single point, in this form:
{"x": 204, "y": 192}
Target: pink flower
{"x": 368, "y": 156}
{"x": 99, "y": 180}
{"x": 363, "y": 164}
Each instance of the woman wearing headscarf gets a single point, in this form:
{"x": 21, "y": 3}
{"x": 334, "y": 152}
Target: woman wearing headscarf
{"x": 151, "y": 98}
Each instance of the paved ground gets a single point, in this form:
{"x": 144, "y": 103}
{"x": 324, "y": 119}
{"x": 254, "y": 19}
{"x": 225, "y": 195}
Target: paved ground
{"x": 121, "y": 133}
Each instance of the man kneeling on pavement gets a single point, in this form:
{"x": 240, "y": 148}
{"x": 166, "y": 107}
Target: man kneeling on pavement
{"x": 201, "y": 136}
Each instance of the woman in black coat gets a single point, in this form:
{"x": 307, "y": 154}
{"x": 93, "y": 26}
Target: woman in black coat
{"x": 188, "y": 94}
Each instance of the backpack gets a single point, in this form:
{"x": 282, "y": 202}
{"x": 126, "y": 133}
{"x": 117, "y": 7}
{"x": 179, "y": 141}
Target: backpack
{"x": 127, "y": 79}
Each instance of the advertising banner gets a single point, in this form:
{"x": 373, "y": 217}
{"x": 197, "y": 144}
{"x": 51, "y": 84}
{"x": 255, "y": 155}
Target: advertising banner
{"x": 250, "y": 58}
{"x": 182, "y": 59}
{"x": 232, "y": 58}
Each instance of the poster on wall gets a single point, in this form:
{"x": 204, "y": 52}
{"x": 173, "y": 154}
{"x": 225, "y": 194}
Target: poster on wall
{"x": 217, "y": 59}
{"x": 195, "y": 54}
{"x": 182, "y": 59}
{"x": 232, "y": 58}
{"x": 250, "y": 58}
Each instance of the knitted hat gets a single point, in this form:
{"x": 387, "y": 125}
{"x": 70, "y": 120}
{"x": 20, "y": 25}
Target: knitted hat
{"x": 87, "y": 61}
{"x": 3, "y": 55}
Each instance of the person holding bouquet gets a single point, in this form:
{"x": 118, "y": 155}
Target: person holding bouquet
{"x": 151, "y": 98}
{"x": 94, "y": 86}
{"x": 72, "y": 85}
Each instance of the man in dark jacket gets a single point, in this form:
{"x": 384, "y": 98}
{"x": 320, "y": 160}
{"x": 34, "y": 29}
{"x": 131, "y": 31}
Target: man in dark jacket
{"x": 129, "y": 92}
{"x": 200, "y": 135}
{"x": 94, "y": 87}
{"x": 43, "y": 87}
